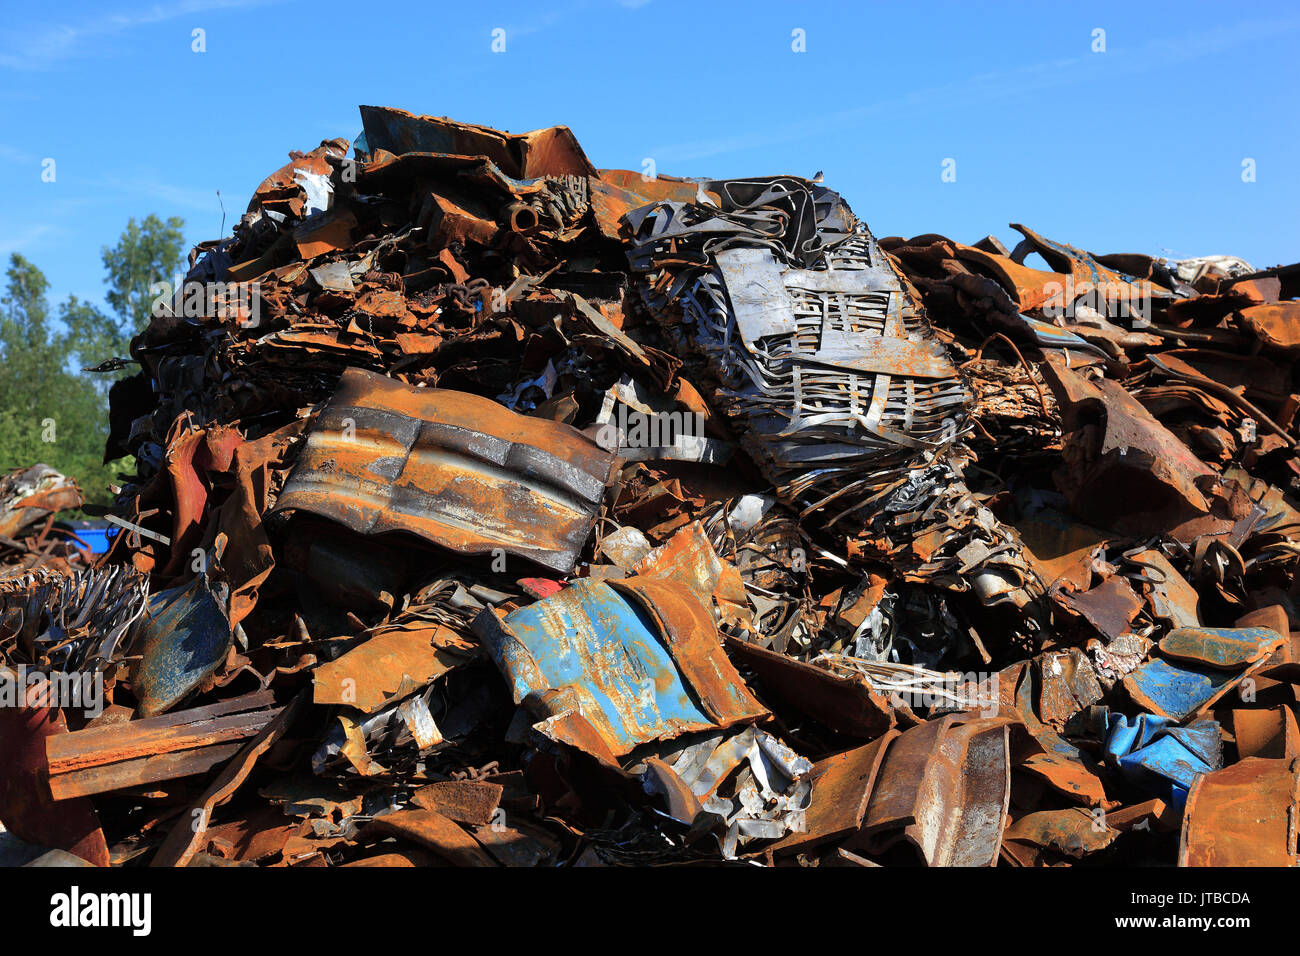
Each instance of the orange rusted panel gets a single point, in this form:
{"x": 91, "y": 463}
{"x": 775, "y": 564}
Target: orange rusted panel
{"x": 1243, "y": 815}
{"x": 457, "y": 469}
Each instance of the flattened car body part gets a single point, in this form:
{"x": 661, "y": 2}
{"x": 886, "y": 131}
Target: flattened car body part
{"x": 457, "y": 469}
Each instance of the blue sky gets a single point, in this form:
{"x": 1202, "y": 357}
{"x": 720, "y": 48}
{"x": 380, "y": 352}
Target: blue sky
{"x": 1136, "y": 149}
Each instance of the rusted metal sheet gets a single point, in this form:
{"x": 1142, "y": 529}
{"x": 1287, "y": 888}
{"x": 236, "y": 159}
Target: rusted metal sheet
{"x": 153, "y": 749}
{"x": 944, "y": 789}
{"x": 843, "y": 702}
{"x": 841, "y": 787}
{"x": 27, "y": 808}
{"x": 1223, "y": 648}
{"x": 1129, "y": 457}
{"x": 434, "y": 832}
{"x": 464, "y": 801}
{"x": 182, "y": 638}
{"x": 457, "y": 469}
{"x": 1074, "y": 832}
{"x": 1068, "y": 684}
{"x": 1271, "y": 732}
{"x": 1244, "y": 815}
{"x": 1110, "y": 607}
{"x": 545, "y": 152}
{"x": 622, "y": 663}
{"x": 1276, "y": 324}
{"x": 370, "y": 675}
{"x": 1063, "y": 549}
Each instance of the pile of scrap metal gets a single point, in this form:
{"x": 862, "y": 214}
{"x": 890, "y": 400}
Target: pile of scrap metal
{"x": 30, "y": 502}
{"x": 495, "y": 510}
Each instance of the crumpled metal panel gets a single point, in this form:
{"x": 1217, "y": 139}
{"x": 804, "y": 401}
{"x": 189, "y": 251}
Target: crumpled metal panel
{"x": 828, "y": 364}
{"x": 823, "y": 356}
{"x": 456, "y": 469}
{"x": 944, "y": 788}
{"x": 553, "y": 151}
{"x": 618, "y": 664}
{"x": 182, "y": 639}
{"x": 1161, "y": 757}
{"x": 1199, "y": 675}
{"x": 1243, "y": 815}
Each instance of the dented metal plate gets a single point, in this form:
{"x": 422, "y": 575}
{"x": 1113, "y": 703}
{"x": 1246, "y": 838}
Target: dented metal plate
{"x": 1243, "y": 815}
{"x": 631, "y": 665}
{"x": 457, "y": 469}
{"x": 944, "y": 788}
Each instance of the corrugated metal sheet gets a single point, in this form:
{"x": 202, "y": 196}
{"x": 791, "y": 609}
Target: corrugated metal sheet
{"x": 635, "y": 661}
{"x": 456, "y": 469}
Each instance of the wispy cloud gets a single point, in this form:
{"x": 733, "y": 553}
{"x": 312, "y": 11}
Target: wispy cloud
{"x": 26, "y": 238}
{"x": 45, "y": 49}
{"x": 202, "y": 200}
{"x": 546, "y": 20}
{"x": 11, "y": 154}
{"x": 983, "y": 88}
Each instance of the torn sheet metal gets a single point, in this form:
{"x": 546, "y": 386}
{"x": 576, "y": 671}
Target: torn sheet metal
{"x": 1187, "y": 685}
{"x": 372, "y": 674}
{"x": 944, "y": 789}
{"x": 1130, "y": 456}
{"x": 1074, "y": 832}
{"x": 1154, "y": 753}
{"x": 1244, "y": 815}
{"x": 841, "y": 787}
{"x": 545, "y": 152}
{"x": 457, "y": 469}
{"x": 614, "y": 665}
{"x": 748, "y": 782}
{"x": 182, "y": 639}
{"x": 846, "y": 702}
{"x": 771, "y": 795}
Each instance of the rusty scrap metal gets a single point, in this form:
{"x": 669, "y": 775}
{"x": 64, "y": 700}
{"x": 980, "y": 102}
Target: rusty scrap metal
{"x": 492, "y": 509}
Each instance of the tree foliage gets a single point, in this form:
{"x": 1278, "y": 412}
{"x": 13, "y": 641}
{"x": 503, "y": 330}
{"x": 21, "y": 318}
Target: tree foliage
{"x": 50, "y": 410}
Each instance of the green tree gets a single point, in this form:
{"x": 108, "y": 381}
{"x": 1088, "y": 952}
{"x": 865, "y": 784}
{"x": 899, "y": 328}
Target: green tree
{"x": 148, "y": 251}
{"x": 51, "y": 411}
{"x": 48, "y": 413}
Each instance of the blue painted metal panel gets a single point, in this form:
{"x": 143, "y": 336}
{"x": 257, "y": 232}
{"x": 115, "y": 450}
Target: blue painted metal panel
{"x": 183, "y": 638}
{"x": 590, "y": 651}
{"x": 1154, "y": 753}
{"x": 1176, "y": 690}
